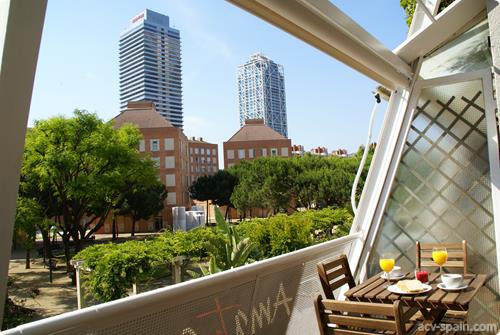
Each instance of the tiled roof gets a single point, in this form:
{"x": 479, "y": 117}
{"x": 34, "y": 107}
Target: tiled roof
{"x": 256, "y": 130}
{"x": 143, "y": 116}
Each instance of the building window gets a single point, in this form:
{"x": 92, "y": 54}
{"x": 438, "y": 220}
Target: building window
{"x": 230, "y": 154}
{"x": 209, "y": 168}
{"x": 156, "y": 161}
{"x": 155, "y": 145}
{"x": 170, "y": 162}
{"x": 190, "y": 150}
{"x": 191, "y": 158}
{"x": 169, "y": 144}
{"x": 203, "y": 160}
{"x": 171, "y": 198}
{"x": 251, "y": 153}
{"x": 196, "y": 151}
{"x": 284, "y": 152}
{"x": 214, "y": 152}
{"x": 264, "y": 152}
{"x": 202, "y": 150}
{"x": 274, "y": 152}
{"x": 142, "y": 146}
{"x": 209, "y": 159}
{"x": 170, "y": 180}
{"x": 241, "y": 153}
{"x": 208, "y": 151}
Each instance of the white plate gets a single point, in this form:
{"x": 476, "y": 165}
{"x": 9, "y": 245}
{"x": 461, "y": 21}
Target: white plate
{"x": 443, "y": 287}
{"x": 395, "y": 289}
{"x": 383, "y": 276}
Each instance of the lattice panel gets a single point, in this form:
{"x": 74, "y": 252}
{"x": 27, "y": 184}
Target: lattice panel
{"x": 442, "y": 190}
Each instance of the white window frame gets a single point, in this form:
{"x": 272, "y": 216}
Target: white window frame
{"x": 152, "y": 142}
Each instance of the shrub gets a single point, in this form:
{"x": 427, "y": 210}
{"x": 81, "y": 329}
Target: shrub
{"x": 281, "y": 233}
{"x": 115, "y": 267}
{"x": 328, "y": 223}
{"x": 288, "y": 233}
{"x": 193, "y": 243}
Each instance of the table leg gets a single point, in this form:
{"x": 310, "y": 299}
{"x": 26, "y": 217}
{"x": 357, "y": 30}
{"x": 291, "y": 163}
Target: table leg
{"x": 431, "y": 317}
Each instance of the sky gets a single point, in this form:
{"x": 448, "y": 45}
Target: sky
{"x": 328, "y": 103}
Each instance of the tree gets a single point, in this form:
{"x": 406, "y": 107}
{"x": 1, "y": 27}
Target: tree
{"x": 143, "y": 201}
{"x": 29, "y": 216}
{"x": 224, "y": 183}
{"x": 203, "y": 190}
{"x": 218, "y": 187}
{"x": 264, "y": 183}
{"x": 83, "y": 165}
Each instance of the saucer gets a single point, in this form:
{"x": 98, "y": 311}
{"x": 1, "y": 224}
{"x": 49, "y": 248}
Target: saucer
{"x": 443, "y": 287}
{"x": 393, "y": 277}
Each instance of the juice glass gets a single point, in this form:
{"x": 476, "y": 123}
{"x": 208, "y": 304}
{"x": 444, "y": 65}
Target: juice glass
{"x": 386, "y": 263}
{"x": 440, "y": 256}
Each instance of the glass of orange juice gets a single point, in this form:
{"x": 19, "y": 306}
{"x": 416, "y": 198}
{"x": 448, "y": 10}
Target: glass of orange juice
{"x": 440, "y": 256}
{"x": 386, "y": 263}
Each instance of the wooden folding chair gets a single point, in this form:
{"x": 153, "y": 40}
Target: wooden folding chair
{"x": 334, "y": 274}
{"x": 360, "y": 318}
{"x": 457, "y": 259}
{"x": 457, "y": 255}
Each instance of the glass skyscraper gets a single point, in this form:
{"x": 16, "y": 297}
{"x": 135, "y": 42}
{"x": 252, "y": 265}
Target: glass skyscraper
{"x": 150, "y": 65}
{"x": 261, "y": 93}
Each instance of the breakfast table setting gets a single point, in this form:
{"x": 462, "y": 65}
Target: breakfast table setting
{"x": 431, "y": 294}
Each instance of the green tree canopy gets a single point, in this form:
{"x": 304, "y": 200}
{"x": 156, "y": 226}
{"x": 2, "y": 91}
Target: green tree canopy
{"x": 85, "y": 167}
{"x": 143, "y": 201}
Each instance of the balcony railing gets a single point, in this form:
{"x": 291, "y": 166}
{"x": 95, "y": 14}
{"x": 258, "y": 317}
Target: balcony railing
{"x": 274, "y": 296}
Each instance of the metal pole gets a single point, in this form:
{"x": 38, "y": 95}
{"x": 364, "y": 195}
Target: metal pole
{"x": 77, "y": 264}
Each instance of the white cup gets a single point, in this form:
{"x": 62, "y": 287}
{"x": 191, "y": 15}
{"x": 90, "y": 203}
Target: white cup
{"x": 452, "y": 280}
{"x": 396, "y": 271}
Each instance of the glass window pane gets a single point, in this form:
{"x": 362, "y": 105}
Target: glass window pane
{"x": 468, "y": 52}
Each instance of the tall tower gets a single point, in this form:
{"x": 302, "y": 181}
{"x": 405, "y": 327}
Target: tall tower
{"x": 150, "y": 65}
{"x": 261, "y": 93}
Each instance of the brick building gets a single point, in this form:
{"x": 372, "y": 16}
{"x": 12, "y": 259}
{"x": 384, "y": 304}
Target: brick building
{"x": 203, "y": 158}
{"x": 168, "y": 146}
{"x": 255, "y": 140}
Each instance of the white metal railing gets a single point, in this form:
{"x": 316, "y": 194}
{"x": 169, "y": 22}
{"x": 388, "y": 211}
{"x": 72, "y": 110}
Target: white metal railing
{"x": 273, "y": 296}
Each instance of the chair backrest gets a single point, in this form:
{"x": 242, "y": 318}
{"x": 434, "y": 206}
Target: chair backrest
{"x": 334, "y": 274}
{"x": 352, "y": 317}
{"x": 457, "y": 255}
